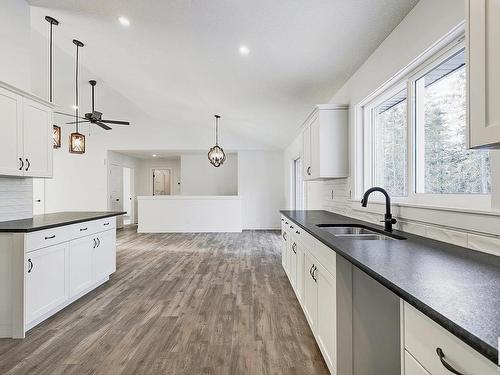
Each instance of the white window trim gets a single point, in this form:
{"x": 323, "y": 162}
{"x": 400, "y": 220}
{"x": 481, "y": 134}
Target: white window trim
{"x": 363, "y": 175}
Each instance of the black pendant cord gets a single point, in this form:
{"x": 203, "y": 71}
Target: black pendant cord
{"x": 77, "y": 119}
{"x": 52, "y": 22}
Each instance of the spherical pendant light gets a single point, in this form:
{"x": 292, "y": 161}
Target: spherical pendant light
{"x": 216, "y": 154}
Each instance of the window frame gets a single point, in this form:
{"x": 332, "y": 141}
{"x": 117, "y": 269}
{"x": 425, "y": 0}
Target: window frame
{"x": 365, "y": 141}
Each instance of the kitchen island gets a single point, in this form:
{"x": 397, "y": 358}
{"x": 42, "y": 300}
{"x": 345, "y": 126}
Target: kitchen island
{"x": 49, "y": 261}
{"x": 187, "y": 213}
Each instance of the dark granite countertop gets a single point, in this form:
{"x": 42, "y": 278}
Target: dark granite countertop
{"x": 57, "y": 219}
{"x": 456, "y": 287}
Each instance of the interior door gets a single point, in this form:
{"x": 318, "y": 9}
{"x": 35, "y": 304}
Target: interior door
{"x": 37, "y": 135}
{"x": 45, "y": 277}
{"x": 11, "y": 142}
{"x": 115, "y": 189}
{"x": 80, "y": 264}
{"x": 38, "y": 196}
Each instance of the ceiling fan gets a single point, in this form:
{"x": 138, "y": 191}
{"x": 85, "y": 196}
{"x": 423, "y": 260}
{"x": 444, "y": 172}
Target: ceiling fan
{"x": 95, "y": 117}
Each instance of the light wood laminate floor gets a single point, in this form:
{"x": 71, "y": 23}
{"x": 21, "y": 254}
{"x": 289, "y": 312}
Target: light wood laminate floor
{"x": 178, "y": 304}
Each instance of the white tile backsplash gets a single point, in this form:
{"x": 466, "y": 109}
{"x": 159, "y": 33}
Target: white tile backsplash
{"x": 16, "y": 198}
{"x": 335, "y": 196}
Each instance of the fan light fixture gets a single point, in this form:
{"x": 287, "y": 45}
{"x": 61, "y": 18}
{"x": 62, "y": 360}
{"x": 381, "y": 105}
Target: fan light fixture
{"x": 76, "y": 139}
{"x": 216, "y": 154}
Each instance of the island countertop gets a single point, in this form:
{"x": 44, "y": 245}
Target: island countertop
{"x": 458, "y": 288}
{"x": 52, "y": 220}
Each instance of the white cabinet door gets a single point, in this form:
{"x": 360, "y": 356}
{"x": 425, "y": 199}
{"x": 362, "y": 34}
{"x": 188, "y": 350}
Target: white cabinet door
{"x": 326, "y": 322}
{"x": 306, "y": 153}
{"x": 11, "y": 142}
{"x": 293, "y": 264}
{"x": 299, "y": 284}
{"x": 316, "y": 149}
{"x": 483, "y": 68}
{"x": 105, "y": 255}
{"x": 37, "y": 129}
{"x": 80, "y": 264}
{"x": 310, "y": 292}
{"x": 284, "y": 250}
{"x": 46, "y": 280}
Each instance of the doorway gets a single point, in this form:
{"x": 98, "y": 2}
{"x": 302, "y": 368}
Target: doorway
{"x": 162, "y": 181}
{"x": 297, "y": 185}
{"x": 116, "y": 191}
{"x": 128, "y": 194}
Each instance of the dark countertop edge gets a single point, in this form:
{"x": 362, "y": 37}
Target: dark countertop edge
{"x": 474, "y": 342}
{"x": 103, "y": 215}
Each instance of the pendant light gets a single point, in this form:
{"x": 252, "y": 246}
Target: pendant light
{"x": 56, "y": 130}
{"x": 76, "y": 140}
{"x": 216, "y": 154}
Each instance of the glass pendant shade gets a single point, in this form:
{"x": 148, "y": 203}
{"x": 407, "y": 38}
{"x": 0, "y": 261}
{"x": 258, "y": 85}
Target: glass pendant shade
{"x": 76, "y": 143}
{"x": 216, "y": 154}
{"x": 56, "y": 136}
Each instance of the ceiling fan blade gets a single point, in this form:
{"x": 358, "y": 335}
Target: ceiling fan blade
{"x": 67, "y": 114}
{"x": 104, "y": 126}
{"x": 74, "y": 122}
{"x": 116, "y": 122}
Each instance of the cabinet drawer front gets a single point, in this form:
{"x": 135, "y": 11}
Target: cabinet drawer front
{"x": 87, "y": 228}
{"x": 48, "y": 237}
{"x": 412, "y": 367}
{"x": 325, "y": 255}
{"x": 423, "y": 337}
{"x": 106, "y": 224}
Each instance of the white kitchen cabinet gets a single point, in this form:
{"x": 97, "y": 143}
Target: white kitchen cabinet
{"x": 26, "y": 142}
{"x": 11, "y": 142}
{"x": 37, "y": 137}
{"x": 293, "y": 263}
{"x": 412, "y": 367}
{"x": 81, "y": 273}
{"x": 325, "y": 142}
{"x": 326, "y": 324}
{"x": 422, "y": 339}
{"x": 483, "y": 73}
{"x": 310, "y": 291}
{"x": 104, "y": 255}
{"x": 46, "y": 280}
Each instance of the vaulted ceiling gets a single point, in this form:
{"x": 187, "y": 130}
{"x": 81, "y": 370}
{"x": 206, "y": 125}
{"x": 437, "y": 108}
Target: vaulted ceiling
{"x": 179, "y": 62}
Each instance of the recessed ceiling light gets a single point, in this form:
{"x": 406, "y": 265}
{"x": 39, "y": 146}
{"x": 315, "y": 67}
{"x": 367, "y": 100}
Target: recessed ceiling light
{"x": 244, "y": 50}
{"x": 124, "y": 21}
{"x": 154, "y": 155}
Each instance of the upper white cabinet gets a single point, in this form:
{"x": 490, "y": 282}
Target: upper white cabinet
{"x": 26, "y": 142}
{"x": 325, "y": 142}
{"x": 483, "y": 70}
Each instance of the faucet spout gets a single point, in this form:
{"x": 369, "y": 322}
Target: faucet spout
{"x": 388, "y": 219}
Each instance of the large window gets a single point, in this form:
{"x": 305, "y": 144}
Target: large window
{"x": 415, "y": 136}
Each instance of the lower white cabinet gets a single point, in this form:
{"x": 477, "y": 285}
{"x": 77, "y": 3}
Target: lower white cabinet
{"x": 425, "y": 340}
{"x": 81, "y": 273}
{"x": 104, "y": 254}
{"x": 326, "y": 322}
{"x": 45, "y": 280}
{"x": 310, "y": 303}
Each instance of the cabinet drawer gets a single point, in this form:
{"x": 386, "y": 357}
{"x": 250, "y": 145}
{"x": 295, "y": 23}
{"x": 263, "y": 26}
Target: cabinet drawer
{"x": 423, "y": 337}
{"x": 87, "y": 228}
{"x": 412, "y": 367}
{"x": 106, "y": 224}
{"x": 325, "y": 255}
{"x": 47, "y": 237}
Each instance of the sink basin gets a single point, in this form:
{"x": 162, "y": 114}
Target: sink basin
{"x": 358, "y": 232}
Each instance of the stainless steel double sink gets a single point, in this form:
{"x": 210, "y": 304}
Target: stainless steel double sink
{"x": 358, "y": 232}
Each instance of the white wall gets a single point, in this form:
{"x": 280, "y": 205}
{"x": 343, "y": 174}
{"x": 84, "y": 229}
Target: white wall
{"x": 260, "y": 184}
{"x": 199, "y": 177}
{"x": 15, "y": 43}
